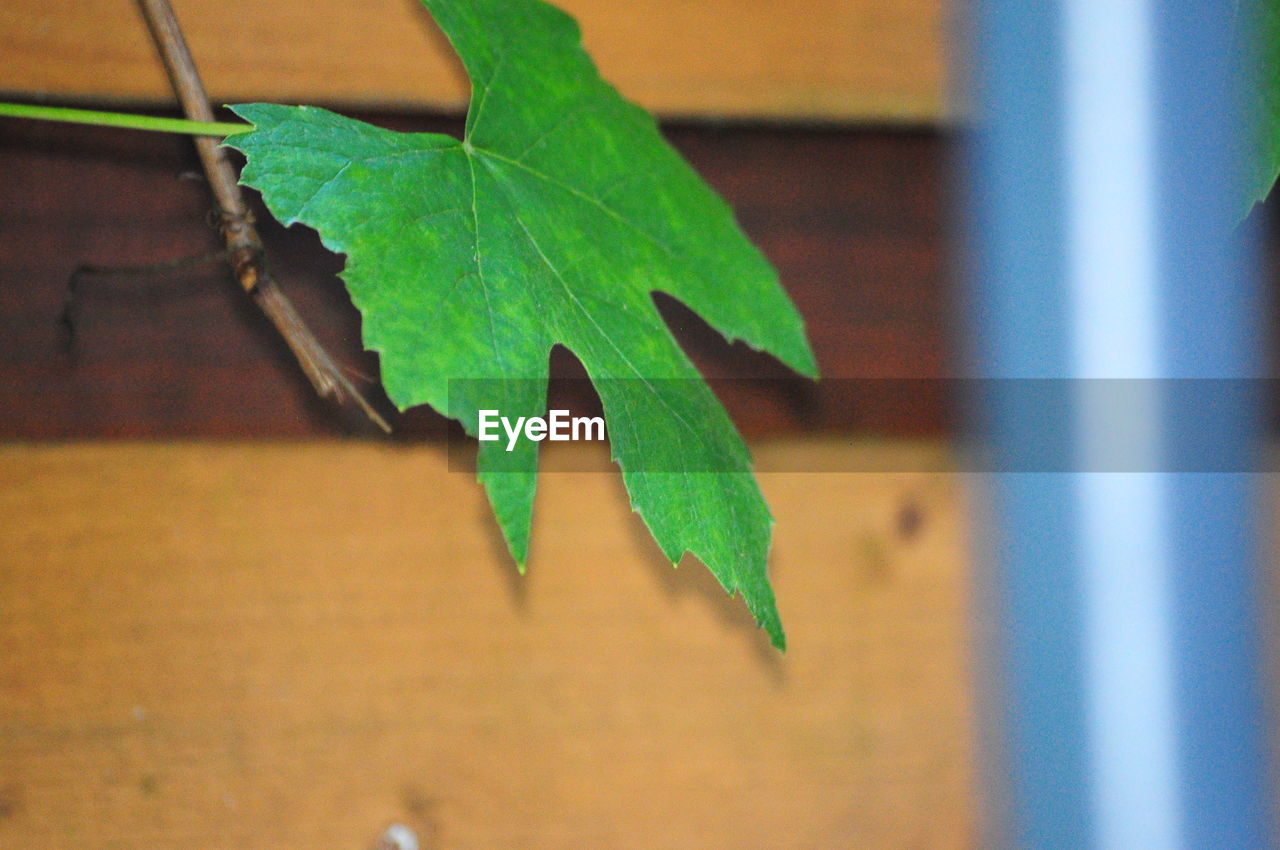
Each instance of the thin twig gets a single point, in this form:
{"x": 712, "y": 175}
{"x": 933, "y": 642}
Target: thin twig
{"x": 67, "y": 319}
{"x": 244, "y": 249}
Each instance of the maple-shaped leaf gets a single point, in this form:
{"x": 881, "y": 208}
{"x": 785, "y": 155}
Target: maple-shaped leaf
{"x": 553, "y": 220}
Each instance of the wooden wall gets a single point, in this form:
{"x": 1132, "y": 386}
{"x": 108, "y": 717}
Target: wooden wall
{"x": 251, "y": 642}
{"x": 231, "y": 617}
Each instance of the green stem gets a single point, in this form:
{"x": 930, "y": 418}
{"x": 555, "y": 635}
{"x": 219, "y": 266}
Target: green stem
{"x": 123, "y": 119}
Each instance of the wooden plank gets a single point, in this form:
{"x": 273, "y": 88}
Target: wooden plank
{"x": 825, "y": 59}
{"x": 257, "y": 645}
{"x": 853, "y": 220}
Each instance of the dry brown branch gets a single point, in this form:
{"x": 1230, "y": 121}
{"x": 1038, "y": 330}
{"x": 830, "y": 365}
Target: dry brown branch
{"x": 244, "y": 249}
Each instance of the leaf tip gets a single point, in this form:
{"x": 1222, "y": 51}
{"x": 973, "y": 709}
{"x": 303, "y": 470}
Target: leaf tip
{"x": 768, "y": 620}
{"x": 518, "y": 546}
{"x": 803, "y": 360}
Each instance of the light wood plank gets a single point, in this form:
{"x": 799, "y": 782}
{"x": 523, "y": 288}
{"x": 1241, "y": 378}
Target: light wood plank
{"x": 825, "y": 59}
{"x": 295, "y": 645}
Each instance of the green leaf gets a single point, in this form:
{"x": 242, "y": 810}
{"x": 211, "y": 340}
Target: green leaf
{"x": 551, "y": 222}
{"x": 1264, "y": 52}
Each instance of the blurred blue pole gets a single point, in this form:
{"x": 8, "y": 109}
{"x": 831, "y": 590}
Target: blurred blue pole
{"x": 1123, "y": 697}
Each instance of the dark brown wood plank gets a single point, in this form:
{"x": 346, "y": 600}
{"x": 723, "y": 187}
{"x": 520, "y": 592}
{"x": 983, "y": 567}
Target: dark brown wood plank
{"x": 853, "y": 219}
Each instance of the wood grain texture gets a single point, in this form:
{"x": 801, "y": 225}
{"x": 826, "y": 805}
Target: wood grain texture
{"x": 853, "y": 220}
{"x": 827, "y": 59}
{"x": 295, "y": 645}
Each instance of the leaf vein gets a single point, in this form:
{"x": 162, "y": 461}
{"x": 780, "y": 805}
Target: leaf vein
{"x": 596, "y": 202}
{"x": 484, "y": 91}
{"x": 302, "y": 210}
{"x": 484, "y": 287}
{"x": 556, "y": 126}
{"x": 603, "y": 333}
{"x": 383, "y": 157}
